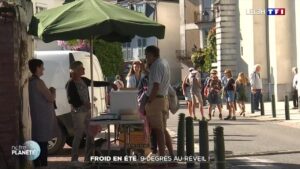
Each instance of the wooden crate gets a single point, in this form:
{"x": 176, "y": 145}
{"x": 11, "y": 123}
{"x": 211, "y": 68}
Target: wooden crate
{"x": 137, "y": 140}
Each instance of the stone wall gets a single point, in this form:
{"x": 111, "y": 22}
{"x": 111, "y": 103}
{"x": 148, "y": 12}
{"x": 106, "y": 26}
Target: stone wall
{"x": 15, "y": 50}
{"x": 227, "y": 36}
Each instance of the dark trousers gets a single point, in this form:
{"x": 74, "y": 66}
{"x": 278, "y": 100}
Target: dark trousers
{"x": 42, "y": 159}
{"x": 257, "y": 97}
{"x": 153, "y": 140}
{"x": 295, "y": 97}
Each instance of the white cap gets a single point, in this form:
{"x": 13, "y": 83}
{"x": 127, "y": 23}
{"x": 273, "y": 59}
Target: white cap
{"x": 194, "y": 72}
{"x": 191, "y": 69}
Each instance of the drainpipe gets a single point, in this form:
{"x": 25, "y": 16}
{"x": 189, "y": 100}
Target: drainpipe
{"x": 268, "y": 53}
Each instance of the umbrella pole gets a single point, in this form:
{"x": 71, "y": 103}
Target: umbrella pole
{"x": 92, "y": 74}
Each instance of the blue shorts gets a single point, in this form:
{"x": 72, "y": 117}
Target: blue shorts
{"x": 230, "y": 95}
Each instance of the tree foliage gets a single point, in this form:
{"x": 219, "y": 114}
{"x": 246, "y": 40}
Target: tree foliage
{"x": 110, "y": 57}
{"x": 109, "y": 54}
{"x": 203, "y": 58}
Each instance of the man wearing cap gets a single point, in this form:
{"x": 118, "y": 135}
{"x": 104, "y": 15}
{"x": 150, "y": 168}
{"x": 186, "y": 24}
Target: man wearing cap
{"x": 195, "y": 90}
{"x": 187, "y": 94}
{"x": 78, "y": 97}
{"x": 157, "y": 107}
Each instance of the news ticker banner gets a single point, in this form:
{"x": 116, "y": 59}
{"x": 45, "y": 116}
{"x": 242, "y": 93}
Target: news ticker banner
{"x": 148, "y": 159}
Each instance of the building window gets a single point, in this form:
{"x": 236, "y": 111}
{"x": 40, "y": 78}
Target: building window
{"x": 207, "y": 4}
{"x": 141, "y": 47}
{"x": 144, "y": 42}
{"x": 139, "y": 43}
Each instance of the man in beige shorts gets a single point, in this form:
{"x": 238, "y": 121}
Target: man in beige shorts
{"x": 157, "y": 107}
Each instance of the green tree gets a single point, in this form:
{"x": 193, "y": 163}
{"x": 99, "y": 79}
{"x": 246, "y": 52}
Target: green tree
{"x": 203, "y": 58}
{"x": 110, "y": 57}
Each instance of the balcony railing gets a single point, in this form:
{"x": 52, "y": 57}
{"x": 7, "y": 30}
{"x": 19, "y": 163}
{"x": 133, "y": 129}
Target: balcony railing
{"x": 205, "y": 16}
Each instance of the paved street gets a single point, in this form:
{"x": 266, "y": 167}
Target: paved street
{"x": 254, "y": 141}
{"x": 251, "y": 142}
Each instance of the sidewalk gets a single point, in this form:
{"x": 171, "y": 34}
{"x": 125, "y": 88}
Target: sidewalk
{"x": 62, "y": 161}
{"x": 68, "y": 165}
{"x": 280, "y": 114}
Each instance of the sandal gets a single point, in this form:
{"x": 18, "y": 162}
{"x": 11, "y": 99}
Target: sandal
{"x": 242, "y": 113}
{"x": 227, "y": 118}
{"x": 220, "y": 116}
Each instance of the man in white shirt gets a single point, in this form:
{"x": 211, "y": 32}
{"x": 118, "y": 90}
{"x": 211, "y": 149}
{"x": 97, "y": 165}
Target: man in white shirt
{"x": 256, "y": 86}
{"x": 157, "y": 107}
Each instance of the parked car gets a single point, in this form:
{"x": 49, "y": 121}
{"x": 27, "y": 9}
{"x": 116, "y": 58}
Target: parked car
{"x": 56, "y": 75}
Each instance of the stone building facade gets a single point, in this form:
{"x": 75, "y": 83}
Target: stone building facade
{"x": 246, "y": 36}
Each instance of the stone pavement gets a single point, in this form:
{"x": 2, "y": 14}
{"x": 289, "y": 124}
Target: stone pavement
{"x": 280, "y": 114}
{"x": 68, "y": 165}
{"x": 62, "y": 161}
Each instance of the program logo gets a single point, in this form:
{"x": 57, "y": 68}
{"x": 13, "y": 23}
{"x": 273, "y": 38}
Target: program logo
{"x": 30, "y": 149}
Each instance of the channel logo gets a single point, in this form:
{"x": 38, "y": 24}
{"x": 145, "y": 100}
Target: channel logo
{"x": 30, "y": 149}
{"x": 275, "y": 11}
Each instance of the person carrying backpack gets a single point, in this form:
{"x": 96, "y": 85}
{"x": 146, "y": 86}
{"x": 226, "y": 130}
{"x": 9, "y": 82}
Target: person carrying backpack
{"x": 186, "y": 88}
{"x": 214, "y": 97}
{"x": 195, "y": 84}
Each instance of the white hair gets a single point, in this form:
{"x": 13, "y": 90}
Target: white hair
{"x": 256, "y": 66}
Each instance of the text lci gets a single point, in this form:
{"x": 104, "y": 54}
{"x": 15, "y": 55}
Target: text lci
{"x": 275, "y": 11}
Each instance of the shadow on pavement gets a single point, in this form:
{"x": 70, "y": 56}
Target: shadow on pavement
{"x": 237, "y": 164}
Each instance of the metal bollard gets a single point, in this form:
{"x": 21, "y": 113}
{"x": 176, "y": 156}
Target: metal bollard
{"x": 252, "y": 103}
{"x": 180, "y": 135}
{"x": 262, "y": 106}
{"x": 219, "y": 147}
{"x": 287, "y": 108}
{"x": 273, "y": 106}
{"x": 189, "y": 139}
{"x": 204, "y": 144}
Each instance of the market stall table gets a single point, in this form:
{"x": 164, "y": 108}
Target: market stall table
{"x": 124, "y": 123}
